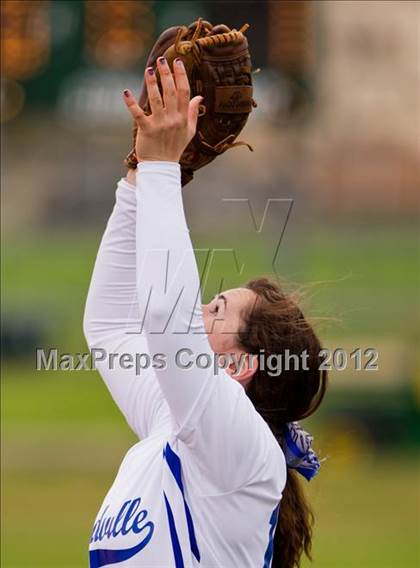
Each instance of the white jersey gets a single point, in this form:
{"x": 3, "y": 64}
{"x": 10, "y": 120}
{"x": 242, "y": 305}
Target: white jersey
{"x": 203, "y": 486}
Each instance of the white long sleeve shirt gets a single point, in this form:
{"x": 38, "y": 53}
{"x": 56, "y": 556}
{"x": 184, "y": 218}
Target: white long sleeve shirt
{"x": 203, "y": 485}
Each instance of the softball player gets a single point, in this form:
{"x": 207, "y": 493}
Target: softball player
{"x": 204, "y": 484}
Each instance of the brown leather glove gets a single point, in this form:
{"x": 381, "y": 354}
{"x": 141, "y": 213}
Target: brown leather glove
{"x": 218, "y": 64}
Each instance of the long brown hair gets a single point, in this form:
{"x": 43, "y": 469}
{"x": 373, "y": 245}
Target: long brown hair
{"x": 275, "y": 325}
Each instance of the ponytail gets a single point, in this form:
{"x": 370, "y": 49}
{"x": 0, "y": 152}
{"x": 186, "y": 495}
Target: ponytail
{"x": 275, "y": 323}
{"x": 293, "y": 535}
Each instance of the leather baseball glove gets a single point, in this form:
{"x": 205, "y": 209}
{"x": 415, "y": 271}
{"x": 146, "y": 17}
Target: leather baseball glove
{"x": 218, "y": 64}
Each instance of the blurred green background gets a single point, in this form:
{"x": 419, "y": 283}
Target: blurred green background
{"x": 336, "y": 131}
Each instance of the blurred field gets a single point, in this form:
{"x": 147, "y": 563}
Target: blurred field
{"x": 365, "y": 278}
{"x": 336, "y": 132}
{"x": 63, "y": 439}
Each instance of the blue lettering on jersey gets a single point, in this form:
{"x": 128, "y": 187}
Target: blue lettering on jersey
{"x": 128, "y": 519}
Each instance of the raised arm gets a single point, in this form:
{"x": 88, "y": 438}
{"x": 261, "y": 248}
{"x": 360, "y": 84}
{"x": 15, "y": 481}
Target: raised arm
{"x": 169, "y": 286}
{"x": 215, "y": 422}
{"x": 112, "y": 312}
{"x": 167, "y": 274}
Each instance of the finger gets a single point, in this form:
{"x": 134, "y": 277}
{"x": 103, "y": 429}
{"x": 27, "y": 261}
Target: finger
{"x": 168, "y": 85}
{"x": 182, "y": 86}
{"x": 153, "y": 94}
{"x": 132, "y": 105}
{"x": 193, "y": 110}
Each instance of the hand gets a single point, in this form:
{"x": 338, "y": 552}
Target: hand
{"x": 164, "y": 134}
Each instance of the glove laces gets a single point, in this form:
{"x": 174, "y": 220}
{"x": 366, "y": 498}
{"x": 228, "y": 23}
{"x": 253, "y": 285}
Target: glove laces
{"x": 198, "y": 41}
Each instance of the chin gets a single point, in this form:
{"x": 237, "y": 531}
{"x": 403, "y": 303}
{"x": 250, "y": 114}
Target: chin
{"x": 213, "y": 345}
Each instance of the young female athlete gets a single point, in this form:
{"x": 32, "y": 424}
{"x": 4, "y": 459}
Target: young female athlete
{"x": 212, "y": 482}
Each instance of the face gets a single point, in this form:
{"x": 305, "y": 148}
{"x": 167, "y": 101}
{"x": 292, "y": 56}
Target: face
{"x": 223, "y": 319}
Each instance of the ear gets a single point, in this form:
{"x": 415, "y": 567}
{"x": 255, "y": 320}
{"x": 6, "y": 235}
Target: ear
{"x": 243, "y": 369}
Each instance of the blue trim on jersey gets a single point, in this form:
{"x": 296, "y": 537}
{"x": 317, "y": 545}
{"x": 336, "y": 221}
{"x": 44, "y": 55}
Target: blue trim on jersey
{"x": 102, "y": 557}
{"x": 174, "y": 464}
{"x": 176, "y": 547}
{"x": 268, "y": 556}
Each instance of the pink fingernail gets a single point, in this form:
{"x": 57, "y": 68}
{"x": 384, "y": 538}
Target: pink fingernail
{"x": 126, "y": 92}
{"x": 178, "y": 61}
{"x": 162, "y": 60}
{"x": 150, "y": 71}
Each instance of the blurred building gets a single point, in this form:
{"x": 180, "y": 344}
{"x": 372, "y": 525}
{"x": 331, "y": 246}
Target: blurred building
{"x": 338, "y": 94}
{"x": 365, "y": 137}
